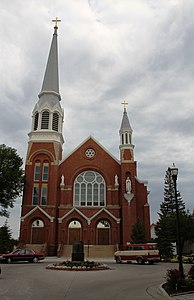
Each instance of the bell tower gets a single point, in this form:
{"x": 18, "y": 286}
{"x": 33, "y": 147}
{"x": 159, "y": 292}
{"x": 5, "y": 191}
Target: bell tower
{"x": 40, "y": 203}
{"x": 47, "y": 115}
{"x": 126, "y": 146}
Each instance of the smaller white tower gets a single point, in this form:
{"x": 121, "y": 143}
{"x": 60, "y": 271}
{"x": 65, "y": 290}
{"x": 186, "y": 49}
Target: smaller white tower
{"x": 126, "y": 136}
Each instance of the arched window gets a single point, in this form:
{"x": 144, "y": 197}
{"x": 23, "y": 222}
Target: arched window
{"x": 37, "y": 171}
{"x": 37, "y": 223}
{"x": 36, "y": 121}
{"x": 89, "y": 189}
{"x": 55, "y": 125}
{"x": 40, "y": 187}
{"x": 126, "y": 138}
{"x": 45, "y": 171}
{"x": 45, "y": 120}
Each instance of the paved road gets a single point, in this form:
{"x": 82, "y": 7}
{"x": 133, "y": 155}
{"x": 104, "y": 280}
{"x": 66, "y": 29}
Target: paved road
{"x": 21, "y": 281}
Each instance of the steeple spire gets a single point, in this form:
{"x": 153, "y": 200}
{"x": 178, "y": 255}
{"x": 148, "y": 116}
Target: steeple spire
{"x": 125, "y": 125}
{"x": 47, "y": 116}
{"x": 125, "y": 130}
{"x": 51, "y": 77}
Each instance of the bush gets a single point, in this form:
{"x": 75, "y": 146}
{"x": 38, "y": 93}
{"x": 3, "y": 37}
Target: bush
{"x": 173, "y": 280}
{"x": 189, "y": 284}
{"x": 191, "y": 272}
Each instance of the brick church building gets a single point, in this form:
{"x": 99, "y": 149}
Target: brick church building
{"x": 89, "y": 195}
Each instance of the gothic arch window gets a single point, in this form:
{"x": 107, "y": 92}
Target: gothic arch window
{"x": 89, "y": 189}
{"x": 38, "y": 223}
{"x": 37, "y": 171}
{"x": 36, "y": 121}
{"x": 45, "y": 120}
{"x": 45, "y": 171}
{"x": 40, "y": 187}
{"x": 55, "y": 125}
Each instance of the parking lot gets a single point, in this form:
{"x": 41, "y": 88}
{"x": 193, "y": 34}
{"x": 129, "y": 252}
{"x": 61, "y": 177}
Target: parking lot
{"x": 21, "y": 281}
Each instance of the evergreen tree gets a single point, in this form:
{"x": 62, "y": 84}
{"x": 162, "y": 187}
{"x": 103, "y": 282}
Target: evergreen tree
{"x": 6, "y": 241}
{"x": 166, "y": 225}
{"x": 11, "y": 178}
{"x": 138, "y": 235}
{"x": 168, "y": 206}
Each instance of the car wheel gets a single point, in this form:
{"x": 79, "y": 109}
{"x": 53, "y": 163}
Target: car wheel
{"x": 118, "y": 260}
{"x": 35, "y": 260}
{"x": 9, "y": 260}
{"x": 140, "y": 261}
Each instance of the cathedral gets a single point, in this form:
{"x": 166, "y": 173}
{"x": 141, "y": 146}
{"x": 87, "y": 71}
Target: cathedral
{"x": 89, "y": 195}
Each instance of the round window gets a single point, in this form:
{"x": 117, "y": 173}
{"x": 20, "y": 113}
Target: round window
{"x": 90, "y": 153}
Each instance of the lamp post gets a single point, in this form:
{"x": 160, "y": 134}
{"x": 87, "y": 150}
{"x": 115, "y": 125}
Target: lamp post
{"x": 174, "y": 173}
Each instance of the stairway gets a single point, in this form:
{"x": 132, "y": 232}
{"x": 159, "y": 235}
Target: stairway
{"x": 91, "y": 251}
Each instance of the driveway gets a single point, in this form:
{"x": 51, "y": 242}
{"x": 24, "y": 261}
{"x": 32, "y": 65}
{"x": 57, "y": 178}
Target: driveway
{"x": 21, "y": 281}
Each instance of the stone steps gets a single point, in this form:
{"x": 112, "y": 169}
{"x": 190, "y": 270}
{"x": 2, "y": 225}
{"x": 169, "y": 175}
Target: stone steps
{"x": 91, "y": 251}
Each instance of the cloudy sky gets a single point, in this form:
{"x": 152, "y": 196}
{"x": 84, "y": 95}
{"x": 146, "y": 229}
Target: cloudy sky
{"x": 109, "y": 50}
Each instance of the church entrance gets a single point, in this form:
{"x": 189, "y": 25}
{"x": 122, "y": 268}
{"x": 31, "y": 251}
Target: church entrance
{"x": 103, "y": 232}
{"x": 74, "y": 231}
{"x": 38, "y": 232}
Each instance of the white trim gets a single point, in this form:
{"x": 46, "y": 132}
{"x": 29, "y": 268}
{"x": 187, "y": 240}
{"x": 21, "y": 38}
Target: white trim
{"x": 33, "y": 210}
{"x": 89, "y": 219}
{"x": 70, "y": 212}
{"x": 108, "y": 213}
{"x": 145, "y": 182}
{"x": 81, "y": 144}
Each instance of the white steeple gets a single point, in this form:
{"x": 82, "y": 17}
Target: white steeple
{"x": 47, "y": 116}
{"x": 125, "y": 131}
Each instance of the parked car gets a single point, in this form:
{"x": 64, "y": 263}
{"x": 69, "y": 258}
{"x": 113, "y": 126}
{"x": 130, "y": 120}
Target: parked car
{"x": 22, "y": 255}
{"x": 139, "y": 253}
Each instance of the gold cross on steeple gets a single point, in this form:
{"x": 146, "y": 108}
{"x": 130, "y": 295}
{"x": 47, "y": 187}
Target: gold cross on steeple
{"x": 56, "y": 21}
{"x": 125, "y": 103}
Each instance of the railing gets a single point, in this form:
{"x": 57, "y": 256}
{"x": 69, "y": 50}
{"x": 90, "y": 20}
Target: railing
{"x": 60, "y": 249}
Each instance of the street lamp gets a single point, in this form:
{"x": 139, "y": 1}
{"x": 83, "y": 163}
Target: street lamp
{"x": 174, "y": 173}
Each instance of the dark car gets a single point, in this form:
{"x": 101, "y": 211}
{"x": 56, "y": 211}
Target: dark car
{"x": 22, "y": 255}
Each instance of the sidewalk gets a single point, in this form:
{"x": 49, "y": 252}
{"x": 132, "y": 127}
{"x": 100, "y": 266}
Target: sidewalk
{"x": 184, "y": 297}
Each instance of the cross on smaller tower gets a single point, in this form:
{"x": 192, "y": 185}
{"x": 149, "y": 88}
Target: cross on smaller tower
{"x": 56, "y": 21}
{"x": 125, "y": 103}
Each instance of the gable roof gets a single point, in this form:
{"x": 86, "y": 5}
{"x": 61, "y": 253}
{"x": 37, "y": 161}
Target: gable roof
{"x": 37, "y": 208}
{"x": 87, "y": 139}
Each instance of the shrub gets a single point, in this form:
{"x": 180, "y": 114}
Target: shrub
{"x": 191, "y": 272}
{"x": 189, "y": 283}
{"x": 173, "y": 280}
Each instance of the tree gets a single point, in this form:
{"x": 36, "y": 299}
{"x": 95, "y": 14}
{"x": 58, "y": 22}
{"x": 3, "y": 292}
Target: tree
{"x": 6, "y": 240}
{"x": 164, "y": 236}
{"x": 168, "y": 206}
{"x": 138, "y": 235}
{"x": 166, "y": 227}
{"x": 11, "y": 178}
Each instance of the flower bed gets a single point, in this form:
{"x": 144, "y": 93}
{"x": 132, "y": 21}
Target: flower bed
{"x": 78, "y": 266}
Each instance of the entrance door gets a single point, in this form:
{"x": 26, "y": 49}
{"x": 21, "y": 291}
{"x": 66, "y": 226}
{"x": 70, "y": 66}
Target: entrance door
{"x": 38, "y": 232}
{"x": 103, "y": 229}
{"x": 74, "y": 232}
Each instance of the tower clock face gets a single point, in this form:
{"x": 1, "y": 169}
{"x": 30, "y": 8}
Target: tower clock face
{"x": 90, "y": 153}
